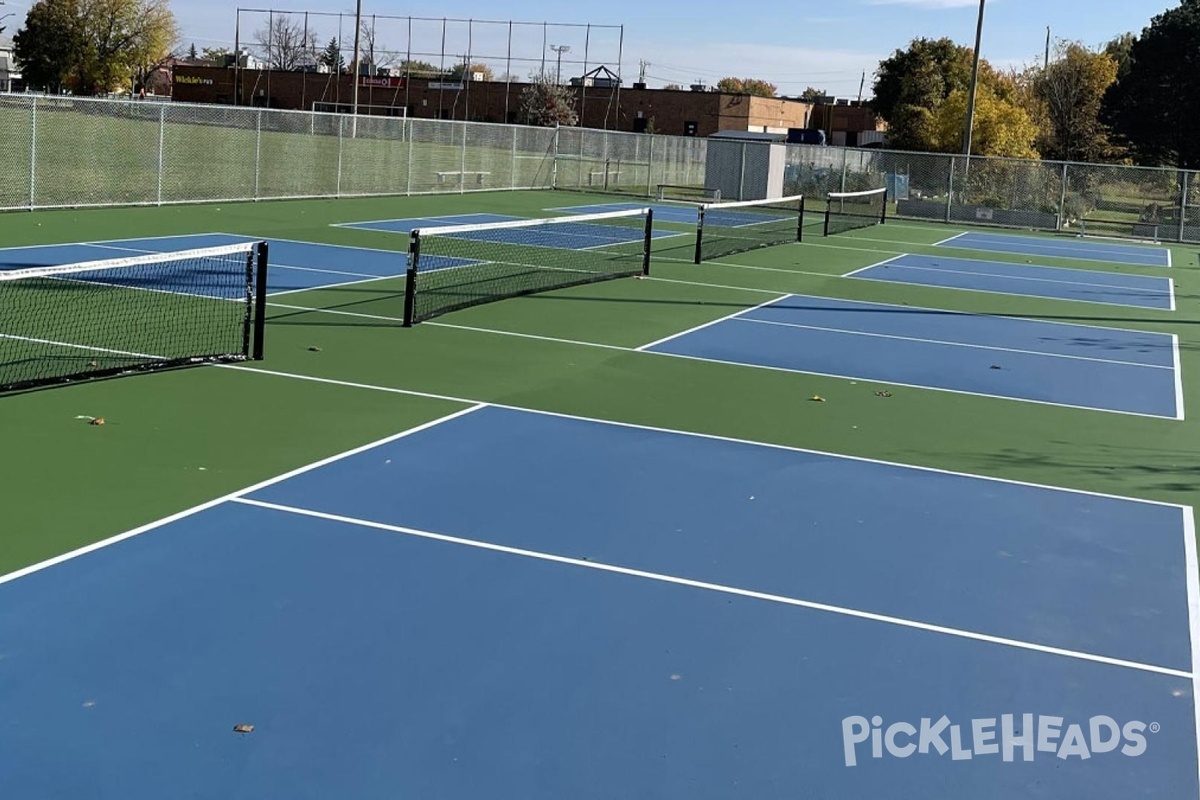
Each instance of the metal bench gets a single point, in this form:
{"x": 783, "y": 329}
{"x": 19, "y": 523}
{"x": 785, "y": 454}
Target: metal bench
{"x": 462, "y": 176}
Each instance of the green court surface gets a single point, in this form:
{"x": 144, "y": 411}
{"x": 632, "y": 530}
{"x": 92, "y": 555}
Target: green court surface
{"x": 340, "y": 371}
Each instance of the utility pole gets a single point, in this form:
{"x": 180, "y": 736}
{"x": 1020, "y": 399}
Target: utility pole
{"x": 641, "y": 71}
{"x": 559, "y": 49}
{"x": 357, "y": 29}
{"x": 974, "y": 85}
{"x": 1046, "y": 63}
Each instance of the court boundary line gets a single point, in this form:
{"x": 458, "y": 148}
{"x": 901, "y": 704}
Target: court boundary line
{"x": 752, "y": 594}
{"x": 941, "y": 242}
{"x": 338, "y": 285}
{"x": 1178, "y": 367}
{"x": 1056, "y": 241}
{"x": 702, "y": 326}
{"x": 678, "y": 432}
{"x": 999, "y": 293}
{"x": 921, "y": 386}
{"x": 1171, "y": 294}
{"x": 1024, "y": 277}
{"x": 948, "y": 343}
{"x": 353, "y": 223}
{"x": 951, "y": 311}
{"x": 854, "y": 272}
{"x": 718, "y": 263}
{"x": 601, "y": 345}
{"x": 208, "y": 504}
{"x": 1192, "y": 565}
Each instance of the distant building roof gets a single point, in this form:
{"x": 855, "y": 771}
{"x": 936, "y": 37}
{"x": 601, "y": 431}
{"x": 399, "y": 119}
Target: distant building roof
{"x": 752, "y": 136}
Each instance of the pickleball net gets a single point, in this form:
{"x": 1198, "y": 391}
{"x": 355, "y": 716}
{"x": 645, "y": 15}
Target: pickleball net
{"x": 64, "y": 323}
{"x": 454, "y": 267}
{"x": 848, "y": 211}
{"x": 723, "y": 229}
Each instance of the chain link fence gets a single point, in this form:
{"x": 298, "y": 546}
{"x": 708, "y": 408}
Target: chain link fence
{"x": 68, "y": 152}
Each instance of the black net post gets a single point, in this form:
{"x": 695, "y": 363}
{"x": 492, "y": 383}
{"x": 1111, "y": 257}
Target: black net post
{"x": 647, "y": 240}
{"x": 260, "y": 300}
{"x": 699, "y": 233}
{"x": 410, "y": 279}
{"x": 828, "y": 204}
{"x": 883, "y": 210}
{"x": 800, "y": 222}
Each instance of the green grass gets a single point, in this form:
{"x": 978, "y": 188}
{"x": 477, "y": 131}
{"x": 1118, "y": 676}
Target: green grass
{"x": 71, "y": 483}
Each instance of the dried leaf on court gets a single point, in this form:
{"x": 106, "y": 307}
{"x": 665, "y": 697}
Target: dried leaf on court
{"x": 243, "y": 728}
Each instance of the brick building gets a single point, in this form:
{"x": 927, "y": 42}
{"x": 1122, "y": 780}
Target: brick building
{"x": 664, "y": 111}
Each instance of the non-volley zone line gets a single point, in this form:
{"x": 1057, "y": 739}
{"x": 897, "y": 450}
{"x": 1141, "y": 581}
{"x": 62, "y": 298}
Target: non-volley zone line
{"x": 1077, "y": 366}
{"x": 608, "y": 624}
{"x": 1002, "y": 277}
{"x": 1081, "y": 249}
{"x": 1151, "y": 361}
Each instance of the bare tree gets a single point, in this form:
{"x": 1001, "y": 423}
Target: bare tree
{"x": 374, "y": 53}
{"x": 286, "y": 43}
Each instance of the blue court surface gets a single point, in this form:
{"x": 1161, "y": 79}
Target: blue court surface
{"x": 1083, "y": 249}
{"x": 1107, "y": 369}
{"x": 571, "y": 236}
{"x": 1003, "y": 277}
{"x": 292, "y": 266}
{"x": 511, "y": 604}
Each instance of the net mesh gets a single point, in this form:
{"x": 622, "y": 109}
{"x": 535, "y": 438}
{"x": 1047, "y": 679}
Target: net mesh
{"x": 847, "y": 211}
{"x": 727, "y": 228}
{"x": 101, "y": 318}
{"x": 459, "y": 266}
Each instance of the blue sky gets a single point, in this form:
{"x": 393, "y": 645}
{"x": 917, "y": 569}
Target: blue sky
{"x": 791, "y": 44}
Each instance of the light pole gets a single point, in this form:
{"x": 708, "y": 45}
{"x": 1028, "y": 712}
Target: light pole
{"x": 974, "y": 85}
{"x": 559, "y": 49}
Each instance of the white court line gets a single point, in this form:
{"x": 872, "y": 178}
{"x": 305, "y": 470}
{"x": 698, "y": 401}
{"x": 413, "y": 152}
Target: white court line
{"x": 852, "y": 273}
{"x": 1171, "y": 291}
{"x": 694, "y": 434}
{"x": 716, "y": 587}
{"x": 850, "y": 377}
{"x": 1031, "y": 278}
{"x": 50, "y": 562}
{"x": 695, "y": 328}
{"x": 338, "y": 285}
{"x": 1178, "y": 376}
{"x": 951, "y": 239}
{"x": 1073, "y": 250}
{"x": 719, "y": 263}
{"x": 1192, "y": 565}
{"x": 703, "y": 359}
{"x": 949, "y": 343}
{"x": 1011, "y": 293}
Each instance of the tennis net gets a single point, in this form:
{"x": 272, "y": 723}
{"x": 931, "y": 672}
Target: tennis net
{"x": 687, "y": 193}
{"x": 101, "y": 318}
{"x": 847, "y": 211}
{"x": 453, "y": 267}
{"x": 723, "y": 229}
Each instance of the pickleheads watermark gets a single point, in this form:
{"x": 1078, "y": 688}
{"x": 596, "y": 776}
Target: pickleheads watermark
{"x": 1010, "y": 737}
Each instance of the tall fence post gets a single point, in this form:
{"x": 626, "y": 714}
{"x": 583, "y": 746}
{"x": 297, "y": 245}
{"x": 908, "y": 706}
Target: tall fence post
{"x": 650, "y": 168}
{"x": 341, "y": 144}
{"x": 33, "y": 156}
{"x": 462, "y": 175}
{"x": 408, "y": 179}
{"x": 162, "y": 138}
{"x": 1183, "y": 204}
{"x": 554, "y": 161}
{"x": 1062, "y": 199}
{"x": 512, "y": 169}
{"x": 257, "y": 150}
{"x": 950, "y": 189}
